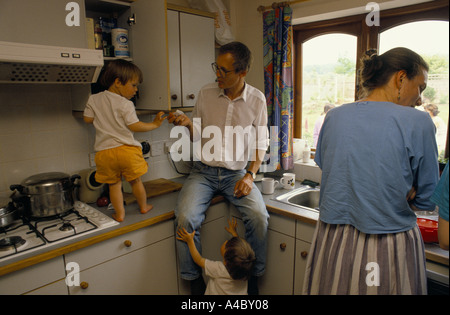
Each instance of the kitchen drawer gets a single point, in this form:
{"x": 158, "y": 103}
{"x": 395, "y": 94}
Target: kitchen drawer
{"x": 120, "y": 245}
{"x": 282, "y": 224}
{"x": 33, "y": 277}
{"x": 305, "y": 231}
{"x": 149, "y": 270}
{"x": 277, "y": 222}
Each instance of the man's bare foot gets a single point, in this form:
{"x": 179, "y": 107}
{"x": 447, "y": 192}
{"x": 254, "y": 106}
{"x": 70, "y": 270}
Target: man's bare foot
{"x": 146, "y": 209}
{"x": 118, "y": 218}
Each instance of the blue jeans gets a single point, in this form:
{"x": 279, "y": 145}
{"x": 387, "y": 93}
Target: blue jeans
{"x": 201, "y": 186}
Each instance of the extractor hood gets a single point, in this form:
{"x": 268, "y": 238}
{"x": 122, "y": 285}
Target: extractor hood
{"x": 25, "y": 63}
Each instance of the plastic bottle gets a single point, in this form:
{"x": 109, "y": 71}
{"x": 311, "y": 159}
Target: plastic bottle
{"x": 306, "y": 153}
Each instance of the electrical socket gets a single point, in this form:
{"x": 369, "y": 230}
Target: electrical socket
{"x": 157, "y": 149}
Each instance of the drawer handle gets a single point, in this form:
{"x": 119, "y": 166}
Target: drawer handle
{"x": 84, "y": 285}
{"x": 127, "y": 243}
{"x": 283, "y": 246}
{"x": 304, "y": 254}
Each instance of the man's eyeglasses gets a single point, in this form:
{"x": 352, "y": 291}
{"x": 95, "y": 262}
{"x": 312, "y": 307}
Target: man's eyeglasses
{"x": 223, "y": 72}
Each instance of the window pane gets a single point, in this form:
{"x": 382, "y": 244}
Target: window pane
{"x": 430, "y": 40}
{"x": 329, "y": 63}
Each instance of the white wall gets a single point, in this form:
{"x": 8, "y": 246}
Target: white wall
{"x": 38, "y": 134}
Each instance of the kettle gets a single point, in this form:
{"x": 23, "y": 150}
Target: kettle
{"x": 90, "y": 189}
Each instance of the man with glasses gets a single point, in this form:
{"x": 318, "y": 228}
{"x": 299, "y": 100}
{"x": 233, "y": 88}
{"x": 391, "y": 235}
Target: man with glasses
{"x": 228, "y": 103}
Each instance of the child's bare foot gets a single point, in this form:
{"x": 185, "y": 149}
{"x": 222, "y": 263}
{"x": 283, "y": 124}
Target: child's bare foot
{"x": 146, "y": 209}
{"x": 118, "y": 218}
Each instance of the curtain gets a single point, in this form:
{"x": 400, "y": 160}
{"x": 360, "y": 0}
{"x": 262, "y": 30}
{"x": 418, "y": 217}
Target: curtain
{"x": 278, "y": 79}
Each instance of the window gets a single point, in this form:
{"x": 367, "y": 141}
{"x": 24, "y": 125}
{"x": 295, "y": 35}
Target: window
{"x": 394, "y": 23}
{"x": 433, "y": 46}
{"x": 328, "y": 79}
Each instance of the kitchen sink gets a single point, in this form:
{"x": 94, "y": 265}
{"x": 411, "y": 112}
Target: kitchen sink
{"x": 305, "y": 197}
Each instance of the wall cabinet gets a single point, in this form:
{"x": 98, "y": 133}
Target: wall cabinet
{"x": 173, "y": 49}
{"x": 191, "y": 52}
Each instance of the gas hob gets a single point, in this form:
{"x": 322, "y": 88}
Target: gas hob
{"x": 26, "y": 234}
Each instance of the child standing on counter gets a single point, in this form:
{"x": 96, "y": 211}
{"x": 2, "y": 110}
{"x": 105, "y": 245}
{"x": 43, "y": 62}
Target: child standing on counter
{"x": 227, "y": 277}
{"x": 115, "y": 120}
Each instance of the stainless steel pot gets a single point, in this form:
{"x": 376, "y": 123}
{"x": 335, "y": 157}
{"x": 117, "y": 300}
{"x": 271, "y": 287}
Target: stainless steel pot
{"x": 46, "y": 194}
{"x": 8, "y": 214}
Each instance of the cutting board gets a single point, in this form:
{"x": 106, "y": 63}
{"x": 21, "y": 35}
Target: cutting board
{"x": 154, "y": 188}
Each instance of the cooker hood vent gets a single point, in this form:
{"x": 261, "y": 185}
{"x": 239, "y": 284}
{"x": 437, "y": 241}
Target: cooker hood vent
{"x": 25, "y": 63}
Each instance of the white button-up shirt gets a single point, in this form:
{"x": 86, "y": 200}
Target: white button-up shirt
{"x": 229, "y": 130}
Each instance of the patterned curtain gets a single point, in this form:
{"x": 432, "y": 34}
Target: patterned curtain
{"x": 279, "y": 80}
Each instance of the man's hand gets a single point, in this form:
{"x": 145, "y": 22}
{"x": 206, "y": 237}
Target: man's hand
{"x": 244, "y": 186}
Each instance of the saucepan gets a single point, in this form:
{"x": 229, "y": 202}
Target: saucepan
{"x": 45, "y": 195}
{"x": 8, "y": 214}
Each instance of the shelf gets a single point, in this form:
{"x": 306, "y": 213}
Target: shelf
{"x": 107, "y": 6}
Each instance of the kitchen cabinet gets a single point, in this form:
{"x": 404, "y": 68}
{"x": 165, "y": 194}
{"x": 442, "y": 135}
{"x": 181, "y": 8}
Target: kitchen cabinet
{"x": 48, "y": 276}
{"x": 279, "y": 274}
{"x": 173, "y": 49}
{"x": 280, "y": 257}
{"x": 213, "y": 235}
{"x": 43, "y": 22}
{"x": 191, "y": 52}
{"x": 304, "y": 235}
{"x": 288, "y": 244}
{"x": 139, "y": 262}
{"x": 150, "y": 270}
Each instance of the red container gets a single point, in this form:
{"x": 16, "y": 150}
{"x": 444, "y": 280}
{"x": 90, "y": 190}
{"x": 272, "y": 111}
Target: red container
{"x": 429, "y": 230}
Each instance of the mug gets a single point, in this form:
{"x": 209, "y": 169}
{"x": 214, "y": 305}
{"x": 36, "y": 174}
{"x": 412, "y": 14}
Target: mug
{"x": 268, "y": 185}
{"x": 288, "y": 181}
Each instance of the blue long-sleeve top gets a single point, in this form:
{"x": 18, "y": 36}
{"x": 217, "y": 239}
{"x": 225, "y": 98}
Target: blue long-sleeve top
{"x": 371, "y": 155}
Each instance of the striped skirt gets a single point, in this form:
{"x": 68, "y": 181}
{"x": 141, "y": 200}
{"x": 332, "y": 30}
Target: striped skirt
{"x": 343, "y": 260}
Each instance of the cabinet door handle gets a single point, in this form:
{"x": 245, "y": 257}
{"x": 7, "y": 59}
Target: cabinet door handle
{"x": 191, "y": 96}
{"x": 84, "y": 285}
{"x": 174, "y": 97}
{"x": 127, "y": 243}
{"x": 283, "y": 246}
{"x": 304, "y": 254}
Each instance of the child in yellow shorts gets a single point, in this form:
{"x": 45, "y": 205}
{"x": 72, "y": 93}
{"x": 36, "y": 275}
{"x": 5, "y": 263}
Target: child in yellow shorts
{"x": 115, "y": 121}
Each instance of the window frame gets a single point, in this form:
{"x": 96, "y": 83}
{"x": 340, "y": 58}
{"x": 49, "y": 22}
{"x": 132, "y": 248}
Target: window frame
{"x": 367, "y": 38}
